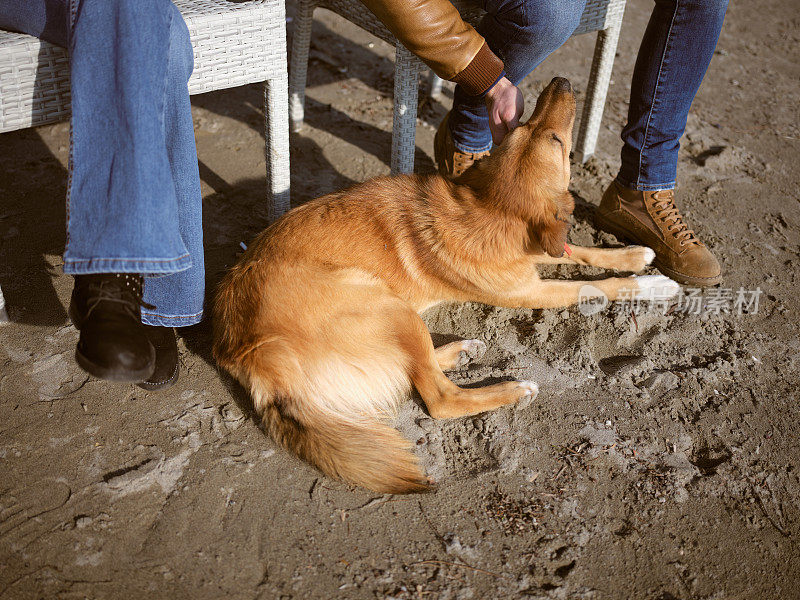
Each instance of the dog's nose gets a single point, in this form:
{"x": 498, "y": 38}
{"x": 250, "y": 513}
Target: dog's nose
{"x": 562, "y": 84}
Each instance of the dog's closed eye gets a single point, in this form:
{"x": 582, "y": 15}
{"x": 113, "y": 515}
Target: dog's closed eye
{"x": 558, "y": 139}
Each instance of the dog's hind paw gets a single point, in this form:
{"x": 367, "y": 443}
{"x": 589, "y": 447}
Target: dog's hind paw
{"x": 458, "y": 354}
{"x": 656, "y": 287}
{"x": 470, "y": 350}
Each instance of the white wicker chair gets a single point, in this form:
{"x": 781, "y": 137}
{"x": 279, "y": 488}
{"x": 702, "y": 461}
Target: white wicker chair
{"x": 234, "y": 44}
{"x": 603, "y": 16}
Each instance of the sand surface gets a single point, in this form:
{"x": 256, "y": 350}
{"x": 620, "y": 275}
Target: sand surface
{"x": 659, "y": 461}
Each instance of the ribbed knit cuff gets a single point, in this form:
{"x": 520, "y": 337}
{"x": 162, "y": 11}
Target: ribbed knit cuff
{"x": 496, "y": 81}
{"x": 481, "y": 74}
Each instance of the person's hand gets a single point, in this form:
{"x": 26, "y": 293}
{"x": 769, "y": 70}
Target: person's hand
{"x": 505, "y": 105}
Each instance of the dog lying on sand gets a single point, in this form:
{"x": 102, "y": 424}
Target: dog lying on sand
{"x": 319, "y": 320}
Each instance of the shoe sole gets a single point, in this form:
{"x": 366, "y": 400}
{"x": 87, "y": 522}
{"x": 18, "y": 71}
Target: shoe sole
{"x": 626, "y": 236}
{"x": 151, "y": 386}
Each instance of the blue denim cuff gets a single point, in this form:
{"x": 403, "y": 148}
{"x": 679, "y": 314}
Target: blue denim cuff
{"x": 468, "y": 150}
{"x": 645, "y": 187}
{"x": 86, "y": 266}
{"x": 158, "y": 320}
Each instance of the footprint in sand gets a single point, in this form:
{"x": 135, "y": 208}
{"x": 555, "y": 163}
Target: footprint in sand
{"x": 21, "y": 510}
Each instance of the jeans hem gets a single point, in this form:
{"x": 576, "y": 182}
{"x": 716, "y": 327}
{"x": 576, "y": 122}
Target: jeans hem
{"x": 171, "y": 320}
{"x": 645, "y": 187}
{"x": 79, "y": 266}
{"x": 468, "y": 150}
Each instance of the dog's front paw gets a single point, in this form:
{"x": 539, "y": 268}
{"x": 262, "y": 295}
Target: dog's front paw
{"x": 635, "y": 258}
{"x": 656, "y": 287}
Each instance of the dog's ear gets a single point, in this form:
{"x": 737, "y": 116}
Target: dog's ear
{"x": 552, "y": 236}
{"x": 552, "y": 227}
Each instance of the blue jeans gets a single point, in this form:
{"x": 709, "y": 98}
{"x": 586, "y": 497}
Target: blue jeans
{"x": 673, "y": 58}
{"x": 522, "y": 33}
{"x": 674, "y": 55}
{"x": 133, "y": 197}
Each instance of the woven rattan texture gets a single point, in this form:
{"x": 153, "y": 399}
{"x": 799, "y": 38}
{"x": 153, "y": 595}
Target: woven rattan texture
{"x": 234, "y": 44}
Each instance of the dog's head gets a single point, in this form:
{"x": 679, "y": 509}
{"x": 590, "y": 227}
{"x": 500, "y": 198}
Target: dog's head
{"x": 528, "y": 175}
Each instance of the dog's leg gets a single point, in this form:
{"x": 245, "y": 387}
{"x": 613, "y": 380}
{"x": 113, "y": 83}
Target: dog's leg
{"x": 442, "y": 397}
{"x": 445, "y": 400}
{"x": 552, "y": 293}
{"x": 628, "y": 258}
{"x": 457, "y": 354}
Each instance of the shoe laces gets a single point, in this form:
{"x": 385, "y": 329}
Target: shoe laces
{"x": 667, "y": 212}
{"x": 464, "y": 160}
{"x": 120, "y": 288}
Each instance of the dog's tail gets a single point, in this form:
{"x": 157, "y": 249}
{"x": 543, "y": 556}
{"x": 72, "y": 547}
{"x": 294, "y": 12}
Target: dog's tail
{"x": 356, "y": 448}
{"x": 366, "y": 452}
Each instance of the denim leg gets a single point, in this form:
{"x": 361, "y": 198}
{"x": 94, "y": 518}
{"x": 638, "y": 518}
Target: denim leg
{"x": 179, "y": 297}
{"x": 522, "y": 33}
{"x": 45, "y": 19}
{"x": 675, "y": 53}
{"x": 134, "y": 201}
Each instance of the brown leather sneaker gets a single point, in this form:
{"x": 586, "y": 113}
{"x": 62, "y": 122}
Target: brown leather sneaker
{"x": 651, "y": 218}
{"x": 451, "y": 162}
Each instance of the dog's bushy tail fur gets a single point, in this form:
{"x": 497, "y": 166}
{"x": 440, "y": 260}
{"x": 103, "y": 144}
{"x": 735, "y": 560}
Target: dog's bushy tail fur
{"x": 366, "y": 452}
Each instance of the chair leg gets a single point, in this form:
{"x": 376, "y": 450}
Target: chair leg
{"x": 3, "y": 314}
{"x": 435, "y": 83}
{"x": 277, "y": 147}
{"x": 276, "y": 135}
{"x": 404, "y": 126}
{"x": 301, "y": 42}
{"x": 599, "y": 79}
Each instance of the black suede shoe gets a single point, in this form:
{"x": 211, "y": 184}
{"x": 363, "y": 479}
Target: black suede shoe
{"x": 114, "y": 344}
{"x": 166, "y": 372}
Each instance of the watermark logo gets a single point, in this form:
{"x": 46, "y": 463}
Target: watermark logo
{"x": 691, "y": 301}
{"x": 715, "y": 301}
{"x": 591, "y": 300}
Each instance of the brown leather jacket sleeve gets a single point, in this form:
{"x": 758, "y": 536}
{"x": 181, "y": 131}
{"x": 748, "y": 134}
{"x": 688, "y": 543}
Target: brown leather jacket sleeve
{"x": 435, "y": 32}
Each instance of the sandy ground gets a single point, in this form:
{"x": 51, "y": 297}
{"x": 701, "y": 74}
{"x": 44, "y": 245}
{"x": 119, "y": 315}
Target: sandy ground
{"x": 660, "y": 460}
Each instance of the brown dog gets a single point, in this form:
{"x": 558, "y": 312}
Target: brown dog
{"x": 320, "y": 321}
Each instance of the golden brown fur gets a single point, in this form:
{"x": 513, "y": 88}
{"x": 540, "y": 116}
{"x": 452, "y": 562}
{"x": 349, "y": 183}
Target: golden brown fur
{"x": 320, "y": 321}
